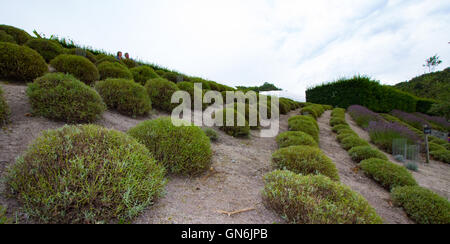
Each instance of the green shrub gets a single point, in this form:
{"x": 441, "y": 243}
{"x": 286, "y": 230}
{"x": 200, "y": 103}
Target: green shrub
{"x": 310, "y": 110}
{"x": 160, "y": 91}
{"x": 82, "y": 52}
{"x": 48, "y": 49}
{"x": 315, "y": 200}
{"x": 346, "y": 131}
{"x": 20, "y": 62}
{"x": 4, "y": 220}
{"x": 308, "y": 119}
{"x": 142, "y": 74}
{"x": 338, "y": 112}
{"x": 441, "y": 155}
{"x": 341, "y": 127}
{"x": 305, "y": 126}
{"x": 129, "y": 63}
{"x": 212, "y": 134}
{"x": 125, "y": 96}
{"x": 4, "y": 109}
{"x": 436, "y": 147}
{"x": 5, "y": 37}
{"x": 338, "y": 121}
{"x": 85, "y": 174}
{"x": 284, "y": 107}
{"x": 19, "y": 35}
{"x": 388, "y": 174}
{"x": 113, "y": 70}
{"x": 107, "y": 58}
{"x": 295, "y": 138}
{"x": 62, "y": 97}
{"x": 78, "y": 66}
{"x": 359, "y": 154}
{"x": 353, "y": 141}
{"x": 342, "y": 136}
{"x": 422, "y": 205}
{"x": 305, "y": 160}
{"x": 183, "y": 150}
{"x": 172, "y": 76}
{"x": 231, "y": 127}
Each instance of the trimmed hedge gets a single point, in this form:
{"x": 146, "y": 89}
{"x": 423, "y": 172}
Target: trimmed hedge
{"x": 314, "y": 110}
{"x": 388, "y": 174}
{"x": 20, "y": 36}
{"x": 436, "y": 147}
{"x": 125, "y": 96}
{"x": 62, "y": 97}
{"x": 362, "y": 153}
{"x": 306, "y": 126}
{"x": 308, "y": 119}
{"x": 113, "y": 70}
{"x": 160, "y": 91}
{"x": 4, "y": 109}
{"x": 422, "y": 205}
{"x": 142, "y": 74}
{"x": 20, "y": 63}
{"x": 353, "y": 141}
{"x": 85, "y": 174}
{"x": 231, "y": 127}
{"x": 78, "y": 66}
{"x": 363, "y": 91}
{"x": 315, "y": 200}
{"x": 184, "y": 150}
{"x": 305, "y": 160}
{"x": 48, "y": 49}
{"x": 295, "y": 138}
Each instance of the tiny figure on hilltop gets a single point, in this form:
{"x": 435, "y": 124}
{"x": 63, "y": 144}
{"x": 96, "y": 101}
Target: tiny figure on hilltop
{"x": 119, "y": 55}
{"x": 127, "y": 56}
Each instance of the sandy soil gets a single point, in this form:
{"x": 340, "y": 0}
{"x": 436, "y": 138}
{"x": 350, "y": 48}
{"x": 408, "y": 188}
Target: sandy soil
{"x": 434, "y": 176}
{"x": 377, "y": 196}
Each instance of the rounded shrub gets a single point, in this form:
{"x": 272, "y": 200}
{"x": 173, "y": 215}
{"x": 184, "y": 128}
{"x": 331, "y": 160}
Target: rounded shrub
{"x": 308, "y": 119}
{"x": 308, "y": 127}
{"x": 160, "y": 91}
{"x": 20, "y": 63}
{"x": 388, "y": 174}
{"x": 85, "y": 174}
{"x": 20, "y": 36}
{"x": 338, "y": 121}
{"x": 315, "y": 200}
{"x": 311, "y": 111}
{"x": 113, "y": 70}
{"x": 106, "y": 58}
{"x": 436, "y": 147}
{"x": 129, "y": 63}
{"x": 295, "y": 138}
{"x": 284, "y": 107}
{"x": 211, "y": 133}
{"x": 353, "y": 141}
{"x": 62, "y": 97}
{"x": 422, "y": 205}
{"x": 232, "y": 127}
{"x": 359, "y": 154}
{"x": 441, "y": 155}
{"x": 125, "y": 96}
{"x": 340, "y": 127}
{"x": 5, "y": 37}
{"x": 4, "y": 109}
{"x": 82, "y": 52}
{"x": 346, "y": 131}
{"x": 305, "y": 160}
{"x": 78, "y": 66}
{"x": 342, "y": 136}
{"x": 172, "y": 76}
{"x": 48, "y": 49}
{"x": 142, "y": 74}
{"x": 184, "y": 150}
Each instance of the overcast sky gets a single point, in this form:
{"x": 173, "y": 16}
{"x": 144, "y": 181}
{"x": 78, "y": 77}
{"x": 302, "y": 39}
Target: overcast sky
{"x": 294, "y": 44}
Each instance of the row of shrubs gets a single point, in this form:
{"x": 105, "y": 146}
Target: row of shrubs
{"x": 422, "y": 205}
{"x": 305, "y": 188}
{"x": 439, "y": 149}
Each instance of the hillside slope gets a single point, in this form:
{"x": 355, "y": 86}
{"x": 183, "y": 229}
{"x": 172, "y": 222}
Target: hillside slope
{"x": 433, "y": 85}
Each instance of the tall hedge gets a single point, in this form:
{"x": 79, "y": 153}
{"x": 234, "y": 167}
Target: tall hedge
{"x": 363, "y": 91}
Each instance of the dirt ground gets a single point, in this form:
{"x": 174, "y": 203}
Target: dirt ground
{"x": 434, "y": 176}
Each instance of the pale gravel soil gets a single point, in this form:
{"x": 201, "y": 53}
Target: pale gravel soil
{"x": 434, "y": 176}
{"x": 378, "y": 197}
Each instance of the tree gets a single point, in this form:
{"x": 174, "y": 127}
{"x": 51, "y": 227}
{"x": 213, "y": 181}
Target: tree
{"x": 432, "y": 63}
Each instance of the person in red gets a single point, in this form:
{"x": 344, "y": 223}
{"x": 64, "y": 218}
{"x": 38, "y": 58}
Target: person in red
{"x": 119, "y": 55}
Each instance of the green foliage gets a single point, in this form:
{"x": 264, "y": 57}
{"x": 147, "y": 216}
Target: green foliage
{"x": 129, "y": 63}
{"x": 125, "y": 96}
{"x": 441, "y": 155}
{"x": 160, "y": 91}
{"x": 172, "y": 76}
{"x": 82, "y": 52}
{"x": 436, "y": 147}
{"x": 315, "y": 200}
{"x": 48, "y": 49}
{"x": 5, "y": 37}
{"x": 114, "y": 70}
{"x": 212, "y": 134}
{"x": 337, "y": 121}
{"x": 232, "y": 126}
{"x": 4, "y": 220}
{"x": 305, "y": 125}
{"x": 315, "y": 110}
{"x": 391, "y": 118}
{"x": 184, "y": 150}
{"x": 338, "y": 113}
{"x": 388, "y": 174}
{"x": 266, "y": 87}
{"x": 340, "y": 127}
{"x": 108, "y": 58}
{"x": 363, "y": 91}
{"x": 353, "y": 141}
{"x": 4, "y": 109}
{"x": 305, "y": 160}
{"x": 284, "y": 106}
{"x": 295, "y": 138}
{"x": 62, "y": 97}
{"x": 78, "y": 66}
{"x": 19, "y": 35}
{"x": 20, "y": 63}
{"x": 412, "y": 166}
{"x": 85, "y": 174}
{"x": 362, "y": 153}
{"x": 142, "y": 74}
{"x": 422, "y": 205}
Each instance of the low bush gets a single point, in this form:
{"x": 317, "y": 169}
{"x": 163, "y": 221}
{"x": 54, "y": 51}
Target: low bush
{"x": 388, "y": 174}
{"x": 295, "y": 138}
{"x": 363, "y": 116}
{"x": 20, "y": 63}
{"x": 441, "y": 155}
{"x": 383, "y": 134}
{"x": 285, "y": 108}
{"x": 436, "y": 147}
{"x": 308, "y": 127}
{"x": 212, "y": 134}
{"x": 338, "y": 112}
{"x": 422, "y": 205}
{"x": 359, "y": 154}
{"x": 340, "y": 127}
{"x": 308, "y": 119}
{"x": 160, "y": 92}
{"x": 78, "y": 66}
{"x": 125, "y": 96}
{"x": 20, "y": 36}
{"x": 315, "y": 200}
{"x": 3, "y": 218}
{"x": 113, "y": 70}
{"x": 338, "y": 121}
{"x": 342, "y": 136}
{"x": 353, "y": 141}
{"x": 184, "y": 150}
{"x": 48, "y": 49}
{"x": 130, "y": 63}
{"x": 4, "y": 109}
{"x": 107, "y": 58}
{"x": 314, "y": 110}
{"x": 85, "y": 174}
{"x": 5, "y": 37}
{"x": 62, "y": 97}
{"x": 142, "y": 74}
{"x": 232, "y": 127}
{"x": 82, "y": 52}
{"x": 305, "y": 160}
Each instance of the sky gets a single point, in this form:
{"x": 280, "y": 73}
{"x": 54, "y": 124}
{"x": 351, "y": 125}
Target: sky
{"x": 292, "y": 43}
